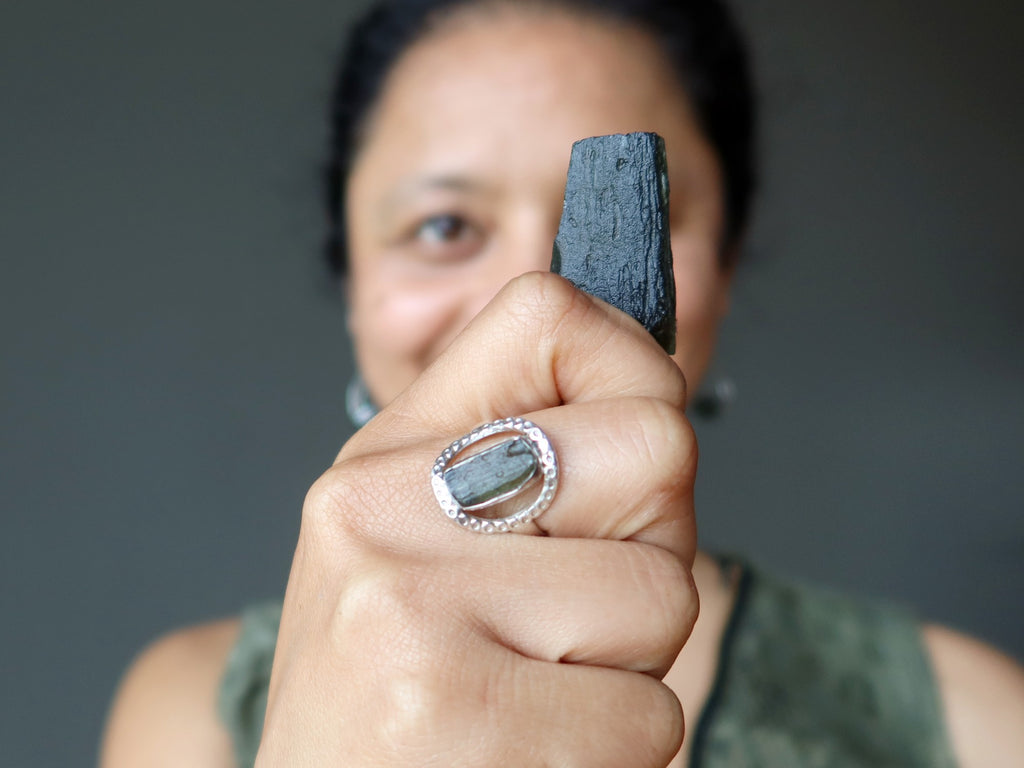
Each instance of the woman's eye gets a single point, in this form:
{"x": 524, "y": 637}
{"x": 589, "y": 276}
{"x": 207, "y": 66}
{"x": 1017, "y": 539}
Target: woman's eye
{"x": 447, "y": 228}
{"x": 445, "y": 238}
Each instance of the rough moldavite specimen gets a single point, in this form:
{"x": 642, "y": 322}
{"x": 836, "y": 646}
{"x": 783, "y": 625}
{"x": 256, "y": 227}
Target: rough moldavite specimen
{"x": 613, "y": 241}
{"x": 492, "y": 475}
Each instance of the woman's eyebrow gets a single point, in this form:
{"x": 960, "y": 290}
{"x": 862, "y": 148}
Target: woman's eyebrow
{"x": 450, "y": 183}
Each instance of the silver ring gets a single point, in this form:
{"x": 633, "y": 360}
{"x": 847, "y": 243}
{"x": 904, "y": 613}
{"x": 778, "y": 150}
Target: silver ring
{"x": 496, "y": 475}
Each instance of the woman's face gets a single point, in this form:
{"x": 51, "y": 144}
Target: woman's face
{"x": 458, "y": 187}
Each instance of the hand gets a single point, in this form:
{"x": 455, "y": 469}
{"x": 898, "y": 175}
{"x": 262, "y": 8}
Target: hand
{"x": 409, "y": 641}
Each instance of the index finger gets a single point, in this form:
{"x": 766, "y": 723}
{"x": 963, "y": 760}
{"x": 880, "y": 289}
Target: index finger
{"x": 538, "y": 344}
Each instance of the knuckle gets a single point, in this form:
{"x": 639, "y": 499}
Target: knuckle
{"x": 651, "y": 719}
{"x": 322, "y": 506}
{"x": 346, "y": 502}
{"x": 677, "y": 388}
{"x": 668, "y": 583}
{"x": 373, "y": 599}
{"x": 681, "y": 601}
{"x": 333, "y": 489}
{"x": 540, "y": 291}
{"x": 396, "y": 608}
{"x": 410, "y": 707}
{"x": 657, "y": 442}
{"x": 667, "y": 444}
{"x": 540, "y": 302}
{"x": 665, "y": 726}
{"x": 413, "y": 652}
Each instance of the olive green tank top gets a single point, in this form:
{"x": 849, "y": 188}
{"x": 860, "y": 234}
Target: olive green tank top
{"x": 806, "y": 678}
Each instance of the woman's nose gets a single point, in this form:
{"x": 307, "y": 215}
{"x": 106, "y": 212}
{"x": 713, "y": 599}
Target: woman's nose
{"x": 523, "y": 245}
{"x": 531, "y": 236}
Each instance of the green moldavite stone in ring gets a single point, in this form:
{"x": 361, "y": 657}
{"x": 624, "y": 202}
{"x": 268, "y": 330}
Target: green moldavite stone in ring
{"x": 614, "y": 240}
{"x": 492, "y": 475}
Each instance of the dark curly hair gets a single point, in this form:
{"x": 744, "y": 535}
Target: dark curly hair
{"x": 699, "y": 37}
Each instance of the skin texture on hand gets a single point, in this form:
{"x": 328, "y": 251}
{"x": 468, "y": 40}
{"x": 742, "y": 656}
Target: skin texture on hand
{"x": 407, "y": 640}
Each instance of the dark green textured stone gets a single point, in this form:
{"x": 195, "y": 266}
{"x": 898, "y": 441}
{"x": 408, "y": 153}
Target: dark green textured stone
{"x": 493, "y": 474}
{"x": 614, "y": 241}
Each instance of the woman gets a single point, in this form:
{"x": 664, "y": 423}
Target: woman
{"x": 406, "y": 640}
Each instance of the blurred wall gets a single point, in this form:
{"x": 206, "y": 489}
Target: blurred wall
{"x": 174, "y": 359}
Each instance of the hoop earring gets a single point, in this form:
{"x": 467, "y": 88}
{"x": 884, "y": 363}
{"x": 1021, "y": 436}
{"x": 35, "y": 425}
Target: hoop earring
{"x": 358, "y": 405}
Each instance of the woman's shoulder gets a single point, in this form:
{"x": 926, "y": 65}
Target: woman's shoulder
{"x": 165, "y": 709}
{"x": 982, "y": 692}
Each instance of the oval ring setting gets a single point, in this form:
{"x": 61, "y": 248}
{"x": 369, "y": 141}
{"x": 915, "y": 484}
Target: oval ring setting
{"x": 495, "y": 475}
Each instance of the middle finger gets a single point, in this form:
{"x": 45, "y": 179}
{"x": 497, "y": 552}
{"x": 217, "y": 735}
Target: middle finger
{"x": 626, "y": 468}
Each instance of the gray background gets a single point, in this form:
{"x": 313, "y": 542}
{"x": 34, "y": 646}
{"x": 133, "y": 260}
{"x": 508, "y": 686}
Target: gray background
{"x": 173, "y": 358}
